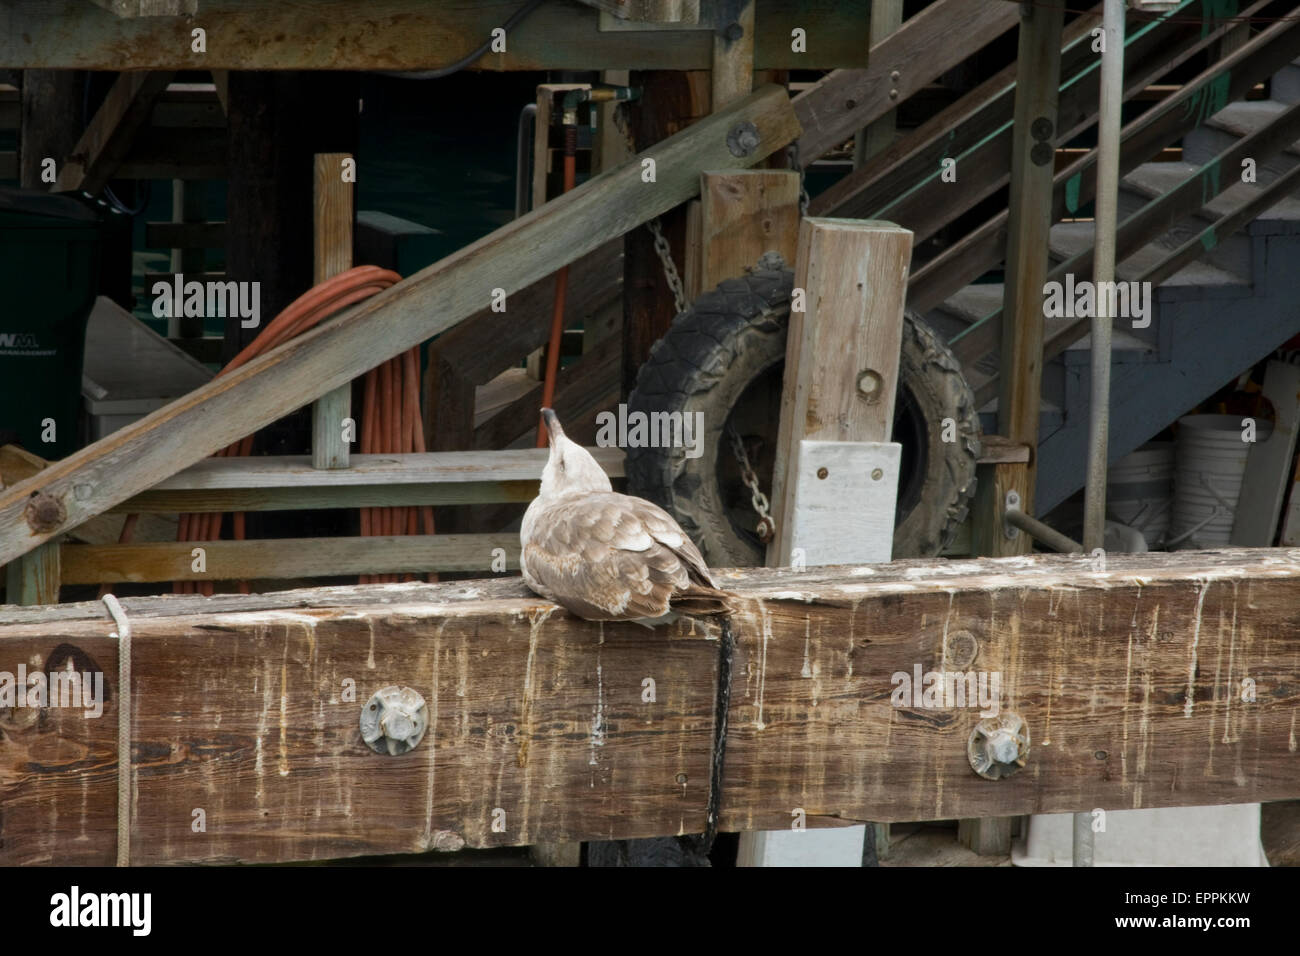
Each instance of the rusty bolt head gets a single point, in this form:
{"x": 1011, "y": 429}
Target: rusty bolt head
{"x": 44, "y": 512}
{"x": 998, "y": 746}
{"x": 394, "y": 720}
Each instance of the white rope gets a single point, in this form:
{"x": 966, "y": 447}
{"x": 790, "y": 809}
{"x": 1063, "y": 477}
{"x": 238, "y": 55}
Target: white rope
{"x": 123, "y": 729}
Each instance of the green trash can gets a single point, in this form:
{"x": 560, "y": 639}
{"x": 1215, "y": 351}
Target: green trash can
{"x": 50, "y": 254}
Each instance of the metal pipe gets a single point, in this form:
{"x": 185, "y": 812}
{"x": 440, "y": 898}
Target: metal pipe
{"x": 1106, "y": 206}
{"x": 1042, "y": 532}
{"x": 523, "y": 149}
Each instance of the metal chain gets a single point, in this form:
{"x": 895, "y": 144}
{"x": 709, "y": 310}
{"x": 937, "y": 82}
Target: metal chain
{"x": 662, "y": 249}
{"x": 792, "y": 151}
{"x": 670, "y": 269}
{"x": 766, "y": 525}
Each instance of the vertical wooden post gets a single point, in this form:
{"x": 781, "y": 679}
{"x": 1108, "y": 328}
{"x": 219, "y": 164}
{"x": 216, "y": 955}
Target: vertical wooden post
{"x": 33, "y": 578}
{"x": 733, "y": 57}
{"x": 744, "y": 214}
{"x": 1029, "y": 221}
{"x": 187, "y": 206}
{"x": 670, "y": 102}
{"x": 837, "y": 410}
{"x": 842, "y": 352}
{"x": 50, "y": 122}
{"x": 886, "y": 17}
{"x": 332, "y": 201}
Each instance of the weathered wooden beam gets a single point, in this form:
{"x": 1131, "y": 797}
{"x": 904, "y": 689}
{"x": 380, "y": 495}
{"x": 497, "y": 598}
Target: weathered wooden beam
{"x": 289, "y": 482}
{"x": 1163, "y": 680}
{"x": 928, "y": 44}
{"x": 1029, "y": 220}
{"x": 743, "y": 215}
{"x": 842, "y": 351}
{"x": 49, "y": 123}
{"x": 279, "y": 558}
{"x": 332, "y": 215}
{"x": 732, "y": 73}
{"x": 404, "y": 35}
{"x": 107, "y": 138}
{"x": 140, "y": 455}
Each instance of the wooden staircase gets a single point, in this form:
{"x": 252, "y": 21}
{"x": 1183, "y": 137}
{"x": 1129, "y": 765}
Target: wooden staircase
{"x": 1219, "y": 251}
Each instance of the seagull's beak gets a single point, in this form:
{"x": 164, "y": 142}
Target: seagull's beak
{"x": 553, "y": 429}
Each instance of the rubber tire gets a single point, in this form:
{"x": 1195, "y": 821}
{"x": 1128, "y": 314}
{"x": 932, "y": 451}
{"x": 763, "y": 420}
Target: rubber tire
{"x": 729, "y": 338}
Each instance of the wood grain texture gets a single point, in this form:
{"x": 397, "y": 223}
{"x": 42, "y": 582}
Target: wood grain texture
{"x": 743, "y": 215}
{"x": 406, "y": 35}
{"x": 1029, "y": 220}
{"x": 927, "y": 45}
{"x": 854, "y": 274}
{"x": 733, "y": 56}
{"x": 1130, "y": 680}
{"x": 333, "y": 213}
{"x": 107, "y": 137}
{"x": 280, "y": 558}
{"x": 138, "y": 456}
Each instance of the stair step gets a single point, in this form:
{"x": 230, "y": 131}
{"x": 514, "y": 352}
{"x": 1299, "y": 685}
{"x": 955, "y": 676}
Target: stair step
{"x": 1230, "y": 124}
{"x": 975, "y": 301}
{"x": 1200, "y": 278}
{"x": 1285, "y": 87}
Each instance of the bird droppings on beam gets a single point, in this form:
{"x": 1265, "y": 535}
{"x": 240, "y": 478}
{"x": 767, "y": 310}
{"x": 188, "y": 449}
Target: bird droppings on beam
{"x": 1162, "y": 680}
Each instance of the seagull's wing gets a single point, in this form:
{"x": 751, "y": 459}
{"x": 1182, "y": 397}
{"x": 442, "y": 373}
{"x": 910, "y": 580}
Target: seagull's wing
{"x": 615, "y": 557}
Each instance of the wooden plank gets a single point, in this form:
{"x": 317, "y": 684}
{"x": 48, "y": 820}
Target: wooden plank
{"x": 35, "y": 577}
{"x": 333, "y": 212}
{"x": 272, "y": 558}
{"x": 51, "y": 108}
{"x": 140, "y": 455}
{"x": 650, "y": 11}
{"x": 927, "y": 45}
{"x": 1074, "y": 186}
{"x": 886, "y": 17}
{"x": 1113, "y": 671}
{"x": 833, "y": 453}
{"x": 107, "y": 138}
{"x": 406, "y": 35}
{"x": 1029, "y": 219}
{"x": 187, "y": 204}
{"x": 669, "y": 103}
{"x": 743, "y": 215}
{"x": 732, "y": 72}
{"x": 984, "y": 168}
{"x": 175, "y": 154}
{"x": 1268, "y": 463}
{"x": 178, "y": 235}
{"x": 842, "y": 351}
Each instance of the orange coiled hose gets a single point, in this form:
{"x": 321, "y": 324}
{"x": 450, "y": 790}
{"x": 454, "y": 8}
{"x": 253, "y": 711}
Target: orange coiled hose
{"x": 391, "y": 421}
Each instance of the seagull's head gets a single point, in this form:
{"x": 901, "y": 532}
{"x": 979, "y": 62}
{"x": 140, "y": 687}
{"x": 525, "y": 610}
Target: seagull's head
{"x": 570, "y": 468}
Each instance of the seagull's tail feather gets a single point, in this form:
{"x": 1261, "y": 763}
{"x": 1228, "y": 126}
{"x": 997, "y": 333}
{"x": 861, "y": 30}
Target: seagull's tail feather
{"x": 700, "y": 601}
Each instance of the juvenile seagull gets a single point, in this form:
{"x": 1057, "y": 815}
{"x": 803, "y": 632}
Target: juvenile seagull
{"x": 605, "y": 556}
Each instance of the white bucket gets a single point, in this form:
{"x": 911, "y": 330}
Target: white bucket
{"x": 1140, "y": 490}
{"x": 1210, "y": 462}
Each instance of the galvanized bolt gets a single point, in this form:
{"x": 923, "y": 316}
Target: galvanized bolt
{"x": 870, "y": 384}
{"x": 394, "y": 720}
{"x": 743, "y": 139}
{"x": 893, "y": 94}
{"x": 894, "y": 75}
{"x": 1010, "y": 503}
{"x": 998, "y": 746}
{"x": 877, "y": 474}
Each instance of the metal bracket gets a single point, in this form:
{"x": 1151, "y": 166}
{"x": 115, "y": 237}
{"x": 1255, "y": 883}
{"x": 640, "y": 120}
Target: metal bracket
{"x": 1011, "y": 503}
